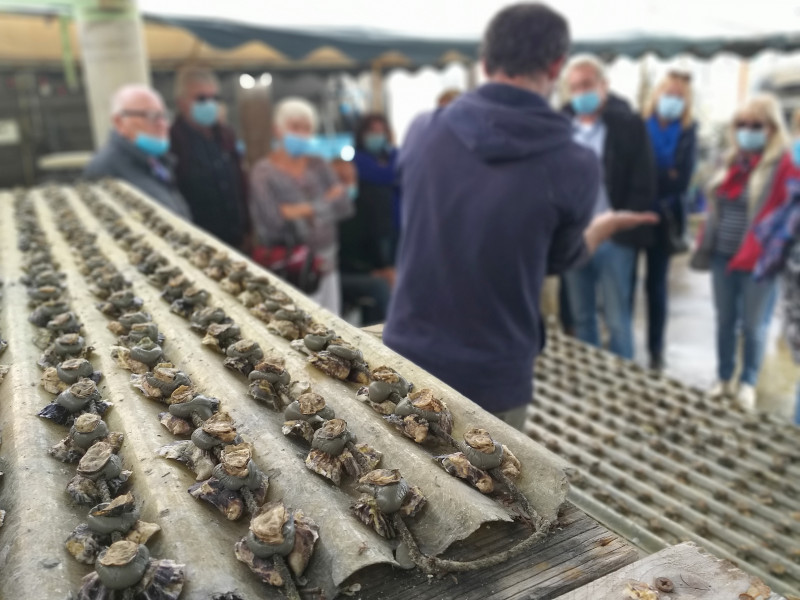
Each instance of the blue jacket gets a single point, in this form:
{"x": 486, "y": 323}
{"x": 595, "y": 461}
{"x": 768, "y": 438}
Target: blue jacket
{"x": 496, "y": 196}
{"x": 121, "y": 159}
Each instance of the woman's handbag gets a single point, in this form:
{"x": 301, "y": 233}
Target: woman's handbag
{"x": 701, "y": 258}
{"x": 295, "y": 263}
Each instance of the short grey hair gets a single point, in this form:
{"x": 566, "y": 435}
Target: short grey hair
{"x": 193, "y": 74}
{"x": 293, "y": 109}
{"x": 121, "y": 98}
{"x": 587, "y": 60}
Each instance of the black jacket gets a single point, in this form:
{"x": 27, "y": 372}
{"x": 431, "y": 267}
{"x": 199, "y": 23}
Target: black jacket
{"x": 209, "y": 175}
{"x": 629, "y": 170}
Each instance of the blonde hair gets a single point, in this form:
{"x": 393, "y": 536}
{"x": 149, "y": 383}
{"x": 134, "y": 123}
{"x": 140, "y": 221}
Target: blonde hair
{"x": 766, "y": 108}
{"x": 686, "y": 91}
{"x": 586, "y": 60}
{"x": 192, "y": 74}
{"x": 293, "y": 109}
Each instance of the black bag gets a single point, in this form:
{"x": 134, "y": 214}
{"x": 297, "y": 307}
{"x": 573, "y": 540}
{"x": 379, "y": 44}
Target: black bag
{"x": 676, "y": 242}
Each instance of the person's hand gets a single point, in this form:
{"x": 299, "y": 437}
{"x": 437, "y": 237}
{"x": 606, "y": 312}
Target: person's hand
{"x": 295, "y": 212}
{"x": 335, "y": 192}
{"x": 604, "y": 226}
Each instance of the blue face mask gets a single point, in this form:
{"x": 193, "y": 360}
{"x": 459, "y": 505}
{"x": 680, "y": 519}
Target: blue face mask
{"x": 205, "y": 113}
{"x": 149, "y": 144}
{"x": 352, "y": 192}
{"x": 796, "y": 153}
{"x": 296, "y": 145}
{"x": 751, "y": 140}
{"x": 670, "y": 108}
{"x": 586, "y": 103}
{"x": 375, "y": 143}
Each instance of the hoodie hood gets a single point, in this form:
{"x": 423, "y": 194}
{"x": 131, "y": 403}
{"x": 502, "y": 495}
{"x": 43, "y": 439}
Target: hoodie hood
{"x": 500, "y": 122}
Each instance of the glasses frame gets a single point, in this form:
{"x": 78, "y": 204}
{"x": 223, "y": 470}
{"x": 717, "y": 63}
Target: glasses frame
{"x": 151, "y": 116}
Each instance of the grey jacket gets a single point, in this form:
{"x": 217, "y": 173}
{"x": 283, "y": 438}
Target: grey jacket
{"x": 121, "y": 159}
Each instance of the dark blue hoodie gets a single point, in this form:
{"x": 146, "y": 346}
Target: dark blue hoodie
{"x": 495, "y": 196}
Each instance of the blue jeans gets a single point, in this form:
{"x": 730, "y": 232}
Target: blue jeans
{"x": 742, "y": 305}
{"x": 611, "y": 270}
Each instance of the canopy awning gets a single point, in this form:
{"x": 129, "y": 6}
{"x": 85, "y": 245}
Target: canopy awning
{"x": 37, "y": 39}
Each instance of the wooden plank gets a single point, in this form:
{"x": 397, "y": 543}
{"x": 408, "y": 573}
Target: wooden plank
{"x": 578, "y": 551}
{"x": 695, "y": 575}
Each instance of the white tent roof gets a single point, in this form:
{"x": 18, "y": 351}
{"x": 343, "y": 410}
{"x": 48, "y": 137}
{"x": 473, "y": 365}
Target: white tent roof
{"x": 590, "y": 19}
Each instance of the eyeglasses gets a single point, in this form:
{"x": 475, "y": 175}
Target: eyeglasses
{"x": 153, "y": 116}
{"x": 756, "y": 125}
{"x": 206, "y": 97}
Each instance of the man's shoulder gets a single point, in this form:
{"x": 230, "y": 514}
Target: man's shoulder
{"x": 104, "y": 163}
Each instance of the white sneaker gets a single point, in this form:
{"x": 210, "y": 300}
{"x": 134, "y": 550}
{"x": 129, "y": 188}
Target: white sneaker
{"x": 746, "y": 397}
{"x": 722, "y": 388}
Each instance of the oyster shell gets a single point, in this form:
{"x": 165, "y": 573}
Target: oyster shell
{"x": 481, "y": 450}
{"x": 197, "y": 460}
{"x": 459, "y": 466}
{"x": 331, "y": 364}
{"x": 221, "y": 335}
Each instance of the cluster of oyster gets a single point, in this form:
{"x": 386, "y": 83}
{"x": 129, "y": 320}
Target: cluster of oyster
{"x": 112, "y": 522}
{"x": 479, "y": 455}
{"x": 385, "y": 493}
{"x": 227, "y": 476}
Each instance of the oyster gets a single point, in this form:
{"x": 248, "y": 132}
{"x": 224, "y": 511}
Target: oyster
{"x": 63, "y": 323}
{"x": 80, "y": 396}
{"x": 459, "y": 466}
{"x": 304, "y": 535}
{"x": 185, "y": 403}
{"x": 203, "y": 317}
{"x": 73, "y": 369}
{"x": 192, "y": 299}
{"x": 284, "y": 328}
{"x": 221, "y": 335}
{"x": 427, "y": 406}
{"x": 243, "y": 355}
{"x": 481, "y": 450}
{"x": 122, "y": 565}
{"x": 162, "y": 382}
{"x": 175, "y": 287}
{"x": 331, "y": 364}
{"x": 198, "y": 461}
{"x": 164, "y": 274}
{"x": 412, "y": 426}
{"x": 386, "y": 385}
{"x": 386, "y": 492}
{"x": 147, "y": 352}
{"x": 218, "y": 430}
{"x": 309, "y": 407}
{"x": 298, "y": 429}
{"x": 175, "y": 425}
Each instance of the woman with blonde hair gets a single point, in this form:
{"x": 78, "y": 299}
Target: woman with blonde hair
{"x": 749, "y": 189}
{"x": 673, "y": 135}
{"x": 296, "y": 203}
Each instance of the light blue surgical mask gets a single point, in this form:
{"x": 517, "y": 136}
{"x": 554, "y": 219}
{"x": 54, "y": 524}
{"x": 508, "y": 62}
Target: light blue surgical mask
{"x": 375, "y": 143}
{"x": 152, "y": 145}
{"x": 670, "y": 108}
{"x": 205, "y": 113}
{"x": 296, "y": 145}
{"x": 751, "y": 140}
{"x": 586, "y": 103}
{"x": 796, "y": 152}
{"x": 352, "y": 191}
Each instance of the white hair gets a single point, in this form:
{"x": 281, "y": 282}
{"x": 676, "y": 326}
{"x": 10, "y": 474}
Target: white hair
{"x": 587, "y": 60}
{"x": 121, "y": 98}
{"x": 292, "y": 109}
{"x": 193, "y": 74}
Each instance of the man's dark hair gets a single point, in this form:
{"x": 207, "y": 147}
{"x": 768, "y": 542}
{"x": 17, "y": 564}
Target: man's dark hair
{"x": 524, "y": 39}
{"x": 364, "y": 125}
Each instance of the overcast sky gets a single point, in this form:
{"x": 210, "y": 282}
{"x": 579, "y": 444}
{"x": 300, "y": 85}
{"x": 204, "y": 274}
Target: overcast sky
{"x": 467, "y": 18}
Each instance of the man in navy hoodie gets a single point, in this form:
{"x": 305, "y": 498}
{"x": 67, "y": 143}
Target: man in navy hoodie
{"x": 496, "y": 196}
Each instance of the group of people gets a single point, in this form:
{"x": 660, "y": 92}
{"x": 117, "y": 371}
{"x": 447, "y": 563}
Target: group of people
{"x": 345, "y": 216}
{"x": 499, "y": 190}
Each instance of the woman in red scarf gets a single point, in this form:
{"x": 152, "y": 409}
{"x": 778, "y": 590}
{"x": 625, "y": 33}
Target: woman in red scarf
{"x": 750, "y": 187}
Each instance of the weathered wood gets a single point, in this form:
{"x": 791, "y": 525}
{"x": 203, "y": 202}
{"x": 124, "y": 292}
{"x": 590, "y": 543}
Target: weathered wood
{"x": 578, "y": 551}
{"x": 695, "y": 575}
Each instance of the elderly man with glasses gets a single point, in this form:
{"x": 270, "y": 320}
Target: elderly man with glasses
{"x": 137, "y": 147}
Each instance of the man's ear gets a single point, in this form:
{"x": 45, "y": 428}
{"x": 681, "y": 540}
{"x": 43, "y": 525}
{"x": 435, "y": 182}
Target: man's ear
{"x": 555, "y": 68}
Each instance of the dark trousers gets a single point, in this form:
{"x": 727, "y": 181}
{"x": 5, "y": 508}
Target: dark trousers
{"x": 370, "y": 294}
{"x": 656, "y": 285}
